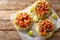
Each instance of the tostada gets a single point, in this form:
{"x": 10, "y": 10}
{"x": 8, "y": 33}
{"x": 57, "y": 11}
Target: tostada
{"x": 23, "y": 21}
{"x": 45, "y": 28}
{"x": 41, "y": 9}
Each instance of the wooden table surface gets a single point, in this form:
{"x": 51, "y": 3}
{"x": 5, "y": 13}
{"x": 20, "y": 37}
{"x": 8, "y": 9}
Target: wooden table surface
{"x": 8, "y": 7}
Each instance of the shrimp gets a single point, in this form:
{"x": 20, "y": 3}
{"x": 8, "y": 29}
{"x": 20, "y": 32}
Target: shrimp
{"x": 48, "y": 26}
{"x": 43, "y": 32}
{"x": 21, "y": 23}
{"x": 46, "y": 21}
{"x": 20, "y": 17}
{"x": 42, "y": 23}
{"x": 51, "y": 26}
{"x": 27, "y": 20}
{"x": 25, "y": 15}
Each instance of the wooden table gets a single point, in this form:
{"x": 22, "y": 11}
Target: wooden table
{"x": 7, "y": 7}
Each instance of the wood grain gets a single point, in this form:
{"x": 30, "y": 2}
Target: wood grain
{"x": 5, "y": 14}
{"x": 9, "y": 35}
{"x": 56, "y": 36}
{"x": 15, "y": 4}
{"x": 55, "y": 4}
{"x": 6, "y": 26}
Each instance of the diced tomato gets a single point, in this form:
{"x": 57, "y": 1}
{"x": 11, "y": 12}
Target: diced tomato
{"x": 42, "y": 12}
{"x": 41, "y": 29}
{"x": 43, "y": 33}
{"x": 37, "y": 11}
{"x": 43, "y": 7}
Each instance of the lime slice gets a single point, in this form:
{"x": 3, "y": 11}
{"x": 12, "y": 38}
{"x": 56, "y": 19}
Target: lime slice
{"x": 31, "y": 9}
{"x": 30, "y": 33}
{"x": 35, "y": 18}
{"x": 54, "y": 16}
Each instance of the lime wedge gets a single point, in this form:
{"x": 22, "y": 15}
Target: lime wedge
{"x": 54, "y": 16}
{"x": 35, "y": 18}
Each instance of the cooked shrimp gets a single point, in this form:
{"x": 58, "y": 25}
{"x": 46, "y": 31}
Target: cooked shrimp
{"x": 25, "y": 15}
{"x": 27, "y": 20}
{"x": 21, "y": 23}
{"x": 43, "y": 32}
{"x": 20, "y": 17}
